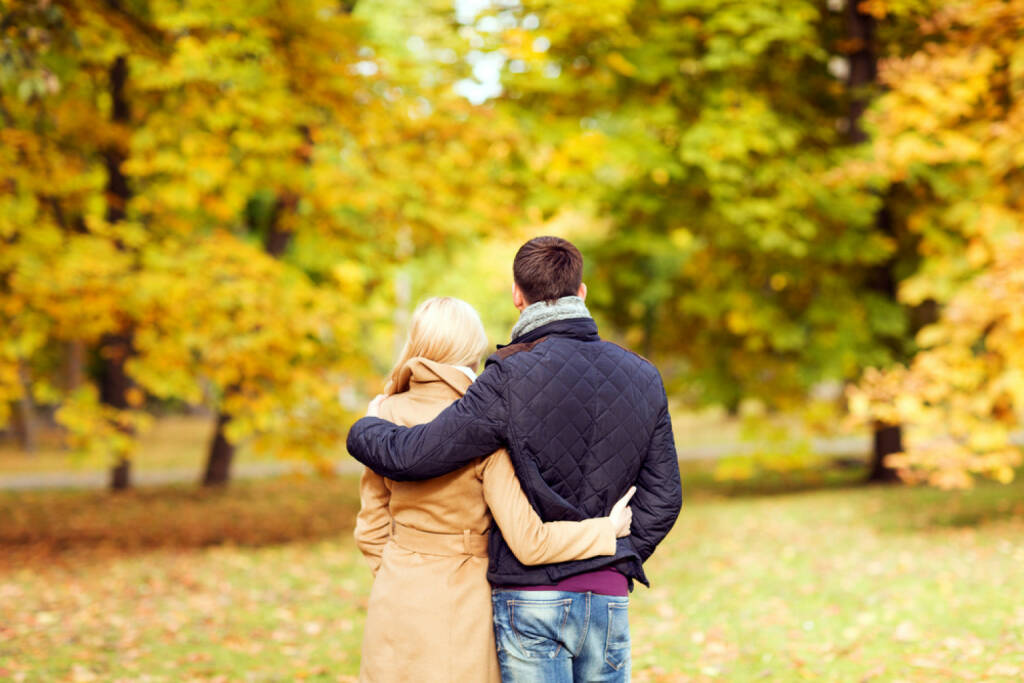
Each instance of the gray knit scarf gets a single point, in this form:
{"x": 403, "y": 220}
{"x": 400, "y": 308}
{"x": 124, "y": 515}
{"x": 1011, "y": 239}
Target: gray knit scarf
{"x": 542, "y": 313}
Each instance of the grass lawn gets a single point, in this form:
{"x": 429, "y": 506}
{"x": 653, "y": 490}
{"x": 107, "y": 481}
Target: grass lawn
{"x": 263, "y": 583}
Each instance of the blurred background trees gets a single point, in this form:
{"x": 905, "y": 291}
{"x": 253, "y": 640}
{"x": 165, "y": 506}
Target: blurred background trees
{"x": 948, "y": 133}
{"x": 234, "y": 205}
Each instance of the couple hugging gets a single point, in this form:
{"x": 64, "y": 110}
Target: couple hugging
{"x": 501, "y": 498}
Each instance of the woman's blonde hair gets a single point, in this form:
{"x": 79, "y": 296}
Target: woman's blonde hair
{"x": 445, "y": 330}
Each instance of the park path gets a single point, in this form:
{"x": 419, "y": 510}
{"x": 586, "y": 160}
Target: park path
{"x": 847, "y": 446}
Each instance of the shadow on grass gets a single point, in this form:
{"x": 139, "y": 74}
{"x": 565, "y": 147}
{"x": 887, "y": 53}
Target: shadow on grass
{"x": 42, "y": 525}
{"x": 917, "y": 509}
{"x": 891, "y": 508}
{"x": 699, "y": 481}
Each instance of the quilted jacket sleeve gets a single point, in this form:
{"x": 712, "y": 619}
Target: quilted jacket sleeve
{"x": 659, "y": 494}
{"x": 532, "y": 540}
{"x": 472, "y": 427}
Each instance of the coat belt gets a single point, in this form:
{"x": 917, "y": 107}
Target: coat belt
{"x": 466, "y": 543}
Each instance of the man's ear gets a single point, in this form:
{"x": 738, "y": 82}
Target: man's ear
{"x": 518, "y": 300}
{"x": 582, "y": 293}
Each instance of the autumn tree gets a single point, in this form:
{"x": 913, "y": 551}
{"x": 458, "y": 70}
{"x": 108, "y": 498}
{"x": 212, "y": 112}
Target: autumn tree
{"x": 703, "y": 132}
{"x": 65, "y": 74}
{"x": 235, "y": 189}
{"x": 948, "y": 130}
{"x": 345, "y": 151}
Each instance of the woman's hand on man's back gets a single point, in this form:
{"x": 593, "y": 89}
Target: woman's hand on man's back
{"x": 622, "y": 515}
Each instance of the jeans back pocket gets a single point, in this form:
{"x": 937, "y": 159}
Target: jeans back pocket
{"x": 616, "y": 647}
{"x": 538, "y": 625}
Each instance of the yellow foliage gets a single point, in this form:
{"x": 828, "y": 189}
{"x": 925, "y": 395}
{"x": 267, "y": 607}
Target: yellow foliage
{"x": 621, "y": 64}
{"x": 239, "y": 116}
{"x": 965, "y": 390}
{"x": 951, "y": 108}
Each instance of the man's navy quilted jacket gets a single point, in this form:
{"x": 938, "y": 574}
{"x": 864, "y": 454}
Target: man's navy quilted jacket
{"x": 583, "y": 420}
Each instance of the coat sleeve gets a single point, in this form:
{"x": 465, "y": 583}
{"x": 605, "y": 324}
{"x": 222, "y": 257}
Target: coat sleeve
{"x": 531, "y": 540}
{"x": 373, "y": 523}
{"x": 473, "y": 427}
{"x": 659, "y": 494}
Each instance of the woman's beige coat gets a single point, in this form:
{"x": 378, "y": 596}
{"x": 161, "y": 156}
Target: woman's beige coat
{"x": 429, "y": 616}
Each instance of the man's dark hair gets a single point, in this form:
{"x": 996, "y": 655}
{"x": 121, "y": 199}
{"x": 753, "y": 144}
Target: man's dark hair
{"x": 548, "y": 268}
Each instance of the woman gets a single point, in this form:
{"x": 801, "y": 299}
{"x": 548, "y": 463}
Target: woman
{"x": 429, "y": 615}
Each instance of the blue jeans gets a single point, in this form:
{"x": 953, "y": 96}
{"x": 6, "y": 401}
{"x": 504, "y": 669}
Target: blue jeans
{"x": 560, "y": 636}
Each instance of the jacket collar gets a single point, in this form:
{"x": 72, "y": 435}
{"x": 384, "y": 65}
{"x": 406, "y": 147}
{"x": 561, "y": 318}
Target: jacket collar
{"x": 583, "y": 329}
{"x": 423, "y": 373}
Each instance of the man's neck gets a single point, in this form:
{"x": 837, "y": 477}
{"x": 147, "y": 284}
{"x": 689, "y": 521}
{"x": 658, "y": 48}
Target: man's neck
{"x": 542, "y": 313}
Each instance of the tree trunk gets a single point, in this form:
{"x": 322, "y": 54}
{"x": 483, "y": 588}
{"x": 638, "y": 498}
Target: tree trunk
{"x": 74, "y": 365}
{"x": 115, "y": 348}
{"x": 26, "y": 426}
{"x": 276, "y": 240}
{"x": 864, "y": 73}
{"x": 221, "y": 455}
{"x": 121, "y": 475}
{"x": 860, "y": 28}
{"x": 114, "y": 385}
{"x": 888, "y": 439}
{"x": 115, "y": 154}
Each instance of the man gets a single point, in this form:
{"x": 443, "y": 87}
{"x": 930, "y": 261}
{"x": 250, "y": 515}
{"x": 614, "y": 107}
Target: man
{"x": 583, "y": 420}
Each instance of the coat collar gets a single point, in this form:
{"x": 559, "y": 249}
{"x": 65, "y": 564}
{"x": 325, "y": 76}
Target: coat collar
{"x": 583, "y": 329}
{"x": 424, "y": 374}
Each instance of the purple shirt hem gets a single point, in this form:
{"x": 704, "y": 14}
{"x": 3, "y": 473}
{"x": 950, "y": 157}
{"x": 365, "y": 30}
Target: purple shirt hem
{"x": 607, "y": 581}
